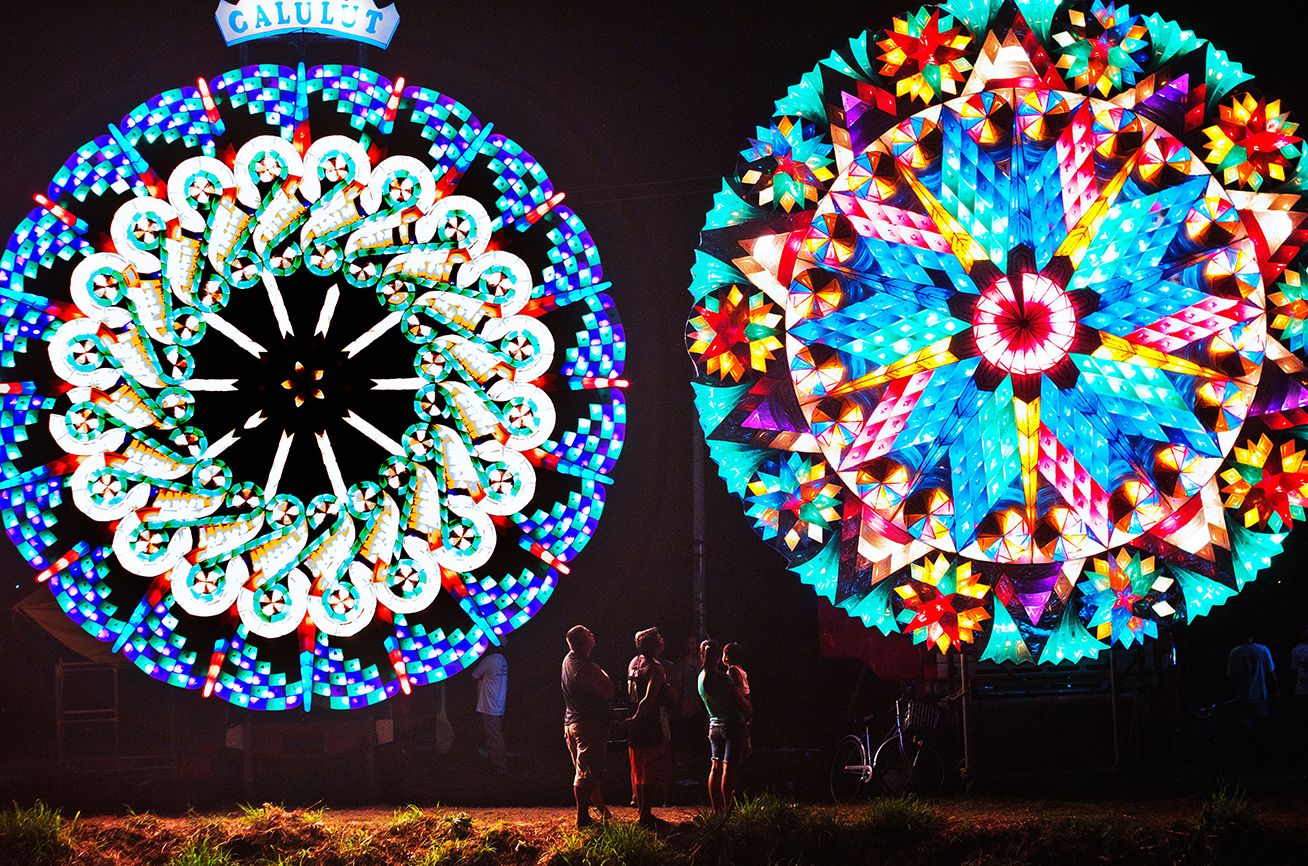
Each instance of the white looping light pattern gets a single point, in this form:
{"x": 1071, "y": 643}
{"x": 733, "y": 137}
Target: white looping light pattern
{"x": 132, "y": 386}
{"x": 310, "y": 418}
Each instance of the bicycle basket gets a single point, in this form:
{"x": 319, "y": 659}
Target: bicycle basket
{"x": 921, "y": 716}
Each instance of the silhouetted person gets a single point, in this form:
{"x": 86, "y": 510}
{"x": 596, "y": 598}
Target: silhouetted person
{"x": 1299, "y": 664}
{"x": 731, "y": 660}
{"x": 687, "y": 729}
{"x": 588, "y": 702}
{"x": 728, "y": 712}
{"x": 492, "y": 675}
{"x": 649, "y": 735}
{"x": 669, "y": 715}
{"x": 1251, "y": 670}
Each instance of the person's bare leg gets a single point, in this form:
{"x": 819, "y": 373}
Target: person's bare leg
{"x": 583, "y": 792}
{"x": 715, "y": 787}
{"x": 645, "y": 803}
{"x": 597, "y": 800}
{"x": 728, "y": 786}
{"x": 635, "y": 786}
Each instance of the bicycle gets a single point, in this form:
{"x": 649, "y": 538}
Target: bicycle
{"x": 1209, "y": 718}
{"x": 902, "y": 762}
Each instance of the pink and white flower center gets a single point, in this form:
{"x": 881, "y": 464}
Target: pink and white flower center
{"x": 1026, "y": 328}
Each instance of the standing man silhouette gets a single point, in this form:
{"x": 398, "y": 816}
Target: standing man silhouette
{"x": 492, "y": 676}
{"x": 588, "y": 702}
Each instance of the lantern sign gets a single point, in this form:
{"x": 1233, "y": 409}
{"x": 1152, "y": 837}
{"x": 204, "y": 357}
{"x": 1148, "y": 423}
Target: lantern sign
{"x": 359, "y": 20}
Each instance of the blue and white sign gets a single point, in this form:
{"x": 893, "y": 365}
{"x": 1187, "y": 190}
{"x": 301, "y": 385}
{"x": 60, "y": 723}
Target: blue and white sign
{"x": 359, "y": 20}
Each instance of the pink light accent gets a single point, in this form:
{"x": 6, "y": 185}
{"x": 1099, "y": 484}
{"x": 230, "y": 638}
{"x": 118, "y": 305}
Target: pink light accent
{"x": 59, "y": 565}
{"x": 206, "y": 97}
{"x": 1077, "y": 487}
{"x": 393, "y": 104}
{"x": 62, "y": 215}
{"x": 1210, "y": 316}
{"x": 1024, "y": 329}
{"x": 877, "y": 436}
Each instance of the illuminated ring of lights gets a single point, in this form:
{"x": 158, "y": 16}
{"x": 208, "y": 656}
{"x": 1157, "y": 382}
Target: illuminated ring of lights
{"x": 442, "y": 524}
{"x": 999, "y": 328}
{"x": 446, "y": 277}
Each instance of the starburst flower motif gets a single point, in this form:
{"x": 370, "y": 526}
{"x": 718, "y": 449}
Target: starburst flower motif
{"x": 1033, "y": 329}
{"x": 1267, "y": 486}
{"x": 787, "y": 163}
{"x": 925, "y": 54}
{"x": 1125, "y": 597}
{"x": 1253, "y": 142}
{"x": 1104, "y": 50}
{"x": 795, "y": 500}
{"x": 734, "y": 331}
{"x": 1289, "y": 300}
{"x": 943, "y": 603}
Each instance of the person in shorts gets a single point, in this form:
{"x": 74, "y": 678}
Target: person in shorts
{"x": 729, "y": 712}
{"x": 649, "y": 730}
{"x": 731, "y": 658}
{"x": 588, "y": 701}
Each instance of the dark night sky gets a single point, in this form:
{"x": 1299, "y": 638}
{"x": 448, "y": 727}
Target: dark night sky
{"x": 634, "y": 110}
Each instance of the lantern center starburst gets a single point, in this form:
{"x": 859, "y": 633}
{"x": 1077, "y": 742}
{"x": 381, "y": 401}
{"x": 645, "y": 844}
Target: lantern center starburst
{"x": 1024, "y": 326}
{"x": 1017, "y": 358}
{"x": 304, "y": 384}
{"x": 1043, "y": 329}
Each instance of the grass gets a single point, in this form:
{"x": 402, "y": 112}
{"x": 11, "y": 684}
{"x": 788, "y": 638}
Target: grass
{"x": 33, "y": 836}
{"x": 352, "y": 847}
{"x": 460, "y": 843}
{"x": 271, "y": 817}
{"x": 202, "y": 852}
{"x": 614, "y": 843}
{"x": 762, "y": 831}
{"x": 1225, "y": 812}
{"x": 1224, "y": 830}
{"x": 406, "y": 816}
{"x": 901, "y": 816}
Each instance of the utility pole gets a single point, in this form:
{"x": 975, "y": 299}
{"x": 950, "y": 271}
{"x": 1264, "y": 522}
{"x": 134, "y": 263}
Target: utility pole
{"x": 699, "y": 621}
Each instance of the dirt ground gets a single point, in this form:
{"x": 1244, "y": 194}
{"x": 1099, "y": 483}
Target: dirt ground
{"x": 940, "y": 832}
{"x": 982, "y": 812}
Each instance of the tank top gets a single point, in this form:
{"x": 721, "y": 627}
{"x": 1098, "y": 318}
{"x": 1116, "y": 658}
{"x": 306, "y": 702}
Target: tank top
{"x": 580, "y": 703}
{"x": 716, "y": 690}
{"x": 646, "y": 731}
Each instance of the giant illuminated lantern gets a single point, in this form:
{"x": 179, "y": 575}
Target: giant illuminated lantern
{"x": 313, "y": 386}
{"x": 999, "y": 328}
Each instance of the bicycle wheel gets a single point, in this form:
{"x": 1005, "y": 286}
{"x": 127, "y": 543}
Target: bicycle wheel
{"x": 850, "y": 769}
{"x": 915, "y": 769}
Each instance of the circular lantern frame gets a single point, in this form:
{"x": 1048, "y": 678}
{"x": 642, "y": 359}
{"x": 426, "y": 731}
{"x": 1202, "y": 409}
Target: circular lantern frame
{"x": 998, "y": 328}
{"x": 314, "y": 386}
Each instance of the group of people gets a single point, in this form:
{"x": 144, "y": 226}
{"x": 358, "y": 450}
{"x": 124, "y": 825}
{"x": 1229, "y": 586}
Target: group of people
{"x": 654, "y": 699}
{"x": 1252, "y": 672}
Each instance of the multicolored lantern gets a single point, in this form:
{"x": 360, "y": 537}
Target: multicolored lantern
{"x": 314, "y": 386}
{"x": 999, "y": 328}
